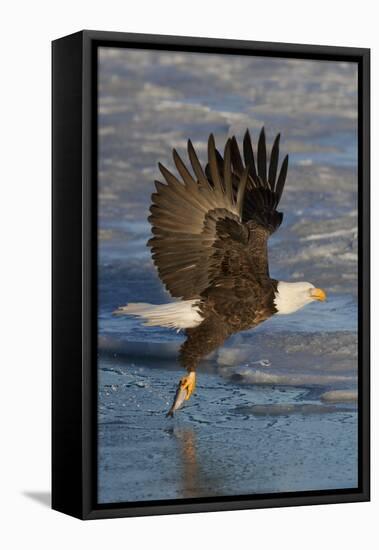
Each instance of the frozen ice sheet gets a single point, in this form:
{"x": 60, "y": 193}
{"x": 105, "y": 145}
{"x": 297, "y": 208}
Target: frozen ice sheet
{"x": 230, "y": 439}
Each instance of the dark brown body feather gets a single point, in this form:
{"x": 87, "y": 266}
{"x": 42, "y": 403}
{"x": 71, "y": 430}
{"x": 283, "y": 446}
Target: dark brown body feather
{"x": 210, "y": 239}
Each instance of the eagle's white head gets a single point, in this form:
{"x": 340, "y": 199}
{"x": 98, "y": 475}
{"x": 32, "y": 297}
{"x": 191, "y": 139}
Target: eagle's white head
{"x": 293, "y": 296}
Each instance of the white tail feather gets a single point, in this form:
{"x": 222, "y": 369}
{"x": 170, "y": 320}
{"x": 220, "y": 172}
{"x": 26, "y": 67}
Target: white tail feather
{"x": 178, "y": 315}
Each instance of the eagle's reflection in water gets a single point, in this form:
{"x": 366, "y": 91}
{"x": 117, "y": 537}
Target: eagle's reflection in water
{"x": 198, "y": 478}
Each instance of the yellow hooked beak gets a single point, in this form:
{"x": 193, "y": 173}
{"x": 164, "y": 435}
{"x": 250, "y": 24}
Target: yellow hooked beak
{"x": 318, "y": 294}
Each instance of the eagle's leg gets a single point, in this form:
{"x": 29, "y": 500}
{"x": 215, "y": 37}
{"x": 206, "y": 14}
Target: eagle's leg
{"x": 201, "y": 341}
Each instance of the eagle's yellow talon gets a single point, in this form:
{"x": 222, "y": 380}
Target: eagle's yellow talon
{"x": 188, "y": 383}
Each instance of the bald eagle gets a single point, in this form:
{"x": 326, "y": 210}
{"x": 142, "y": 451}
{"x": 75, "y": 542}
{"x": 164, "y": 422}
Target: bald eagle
{"x": 210, "y": 231}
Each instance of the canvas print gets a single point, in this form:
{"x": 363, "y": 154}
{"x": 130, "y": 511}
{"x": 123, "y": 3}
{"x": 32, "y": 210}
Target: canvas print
{"x": 227, "y": 275}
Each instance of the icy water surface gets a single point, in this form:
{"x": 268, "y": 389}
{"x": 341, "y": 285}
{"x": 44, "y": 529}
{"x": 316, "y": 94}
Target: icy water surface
{"x": 275, "y": 408}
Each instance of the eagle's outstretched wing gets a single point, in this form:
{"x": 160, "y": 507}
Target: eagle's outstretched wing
{"x": 215, "y": 224}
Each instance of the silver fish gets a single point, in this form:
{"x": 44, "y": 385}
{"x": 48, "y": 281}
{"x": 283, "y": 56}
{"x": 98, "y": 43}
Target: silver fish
{"x": 180, "y": 396}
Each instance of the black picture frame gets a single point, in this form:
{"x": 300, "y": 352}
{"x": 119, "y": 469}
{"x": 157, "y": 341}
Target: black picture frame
{"x": 74, "y": 271}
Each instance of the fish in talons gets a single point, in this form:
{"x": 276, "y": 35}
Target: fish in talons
{"x": 185, "y": 389}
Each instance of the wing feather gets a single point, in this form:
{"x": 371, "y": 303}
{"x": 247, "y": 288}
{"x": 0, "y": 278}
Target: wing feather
{"x": 186, "y": 176}
{"x": 262, "y": 156}
{"x": 197, "y": 168}
{"x": 228, "y": 173}
{"x": 236, "y": 156}
{"x": 282, "y": 178}
{"x": 249, "y": 155}
{"x": 213, "y": 166}
{"x": 274, "y": 163}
